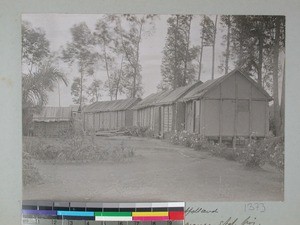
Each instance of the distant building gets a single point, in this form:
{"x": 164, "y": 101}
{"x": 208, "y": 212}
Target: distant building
{"x": 53, "y": 121}
{"x": 109, "y": 115}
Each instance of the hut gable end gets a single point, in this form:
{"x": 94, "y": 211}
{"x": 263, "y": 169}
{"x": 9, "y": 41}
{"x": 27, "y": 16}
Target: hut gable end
{"x": 213, "y": 89}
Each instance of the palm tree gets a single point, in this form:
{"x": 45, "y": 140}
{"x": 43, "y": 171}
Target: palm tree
{"x": 35, "y": 87}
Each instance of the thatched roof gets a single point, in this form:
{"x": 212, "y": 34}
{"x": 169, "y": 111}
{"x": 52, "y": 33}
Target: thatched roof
{"x": 166, "y": 97}
{"x": 54, "y": 114}
{"x": 202, "y": 89}
{"x": 176, "y": 94}
{"x": 110, "y": 106}
{"x": 152, "y": 99}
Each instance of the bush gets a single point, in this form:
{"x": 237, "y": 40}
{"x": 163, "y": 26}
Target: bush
{"x": 255, "y": 154}
{"x": 138, "y": 131}
{"x": 30, "y": 173}
{"x": 76, "y": 147}
{"x": 196, "y": 141}
{"x": 258, "y": 152}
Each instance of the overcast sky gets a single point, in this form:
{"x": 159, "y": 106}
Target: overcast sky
{"x": 57, "y": 28}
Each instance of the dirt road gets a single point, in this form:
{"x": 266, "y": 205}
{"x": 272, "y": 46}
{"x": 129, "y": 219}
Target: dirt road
{"x": 159, "y": 171}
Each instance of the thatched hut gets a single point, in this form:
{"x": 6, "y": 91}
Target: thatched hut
{"x": 53, "y": 121}
{"x": 162, "y": 112}
{"x": 109, "y": 115}
{"x": 231, "y": 106}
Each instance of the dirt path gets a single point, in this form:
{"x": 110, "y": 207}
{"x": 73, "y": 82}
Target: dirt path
{"x": 159, "y": 171}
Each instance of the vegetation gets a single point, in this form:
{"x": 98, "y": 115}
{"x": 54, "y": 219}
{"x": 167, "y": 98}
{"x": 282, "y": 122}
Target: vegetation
{"x": 74, "y": 147}
{"x": 254, "y": 154}
{"x": 40, "y": 73}
{"x": 178, "y": 66}
{"x": 138, "y": 131}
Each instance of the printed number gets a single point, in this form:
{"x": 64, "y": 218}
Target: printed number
{"x": 169, "y": 222}
{"x": 137, "y": 223}
{"x": 87, "y": 223}
{"x": 54, "y": 222}
{"x": 70, "y": 222}
{"x": 259, "y": 207}
{"x": 120, "y": 223}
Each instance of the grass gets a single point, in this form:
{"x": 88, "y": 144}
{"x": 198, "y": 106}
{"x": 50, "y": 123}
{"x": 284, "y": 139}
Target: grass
{"x": 67, "y": 149}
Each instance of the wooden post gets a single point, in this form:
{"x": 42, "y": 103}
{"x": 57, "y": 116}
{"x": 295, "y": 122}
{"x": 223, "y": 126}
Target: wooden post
{"x": 93, "y": 121}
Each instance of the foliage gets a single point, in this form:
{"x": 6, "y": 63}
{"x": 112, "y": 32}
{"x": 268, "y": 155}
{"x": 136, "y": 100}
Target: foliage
{"x": 80, "y": 52}
{"x": 177, "y": 66}
{"x": 258, "y": 152}
{"x": 30, "y": 173}
{"x": 76, "y": 88}
{"x": 35, "y": 46}
{"x": 40, "y": 74}
{"x": 94, "y": 90}
{"x": 138, "y": 131}
{"x": 255, "y": 154}
{"x": 130, "y": 30}
{"x": 75, "y": 147}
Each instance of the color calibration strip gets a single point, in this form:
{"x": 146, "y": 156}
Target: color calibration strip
{"x": 171, "y": 211}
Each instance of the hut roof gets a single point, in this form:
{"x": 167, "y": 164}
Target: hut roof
{"x": 109, "y": 106}
{"x": 53, "y": 114}
{"x": 152, "y": 99}
{"x": 201, "y": 90}
{"x": 178, "y": 93}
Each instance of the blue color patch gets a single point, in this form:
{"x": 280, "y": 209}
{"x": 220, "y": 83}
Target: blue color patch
{"x": 74, "y": 213}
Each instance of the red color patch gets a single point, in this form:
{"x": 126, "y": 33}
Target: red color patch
{"x": 176, "y": 215}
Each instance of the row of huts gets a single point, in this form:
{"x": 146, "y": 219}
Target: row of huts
{"x": 233, "y": 105}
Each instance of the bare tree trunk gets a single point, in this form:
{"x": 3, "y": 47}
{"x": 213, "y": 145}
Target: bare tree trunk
{"x": 275, "y": 77}
{"x": 187, "y": 51}
{"x": 119, "y": 79}
{"x": 200, "y": 57}
{"x": 107, "y": 72}
{"x": 137, "y": 69}
{"x": 282, "y": 103}
{"x": 176, "y": 74}
{"x": 228, "y": 45}
{"x": 260, "y": 53}
{"x": 81, "y": 91}
{"x": 58, "y": 87}
{"x": 213, "y": 50}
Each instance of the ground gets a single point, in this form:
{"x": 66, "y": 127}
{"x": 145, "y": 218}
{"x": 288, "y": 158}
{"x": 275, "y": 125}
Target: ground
{"x": 159, "y": 171}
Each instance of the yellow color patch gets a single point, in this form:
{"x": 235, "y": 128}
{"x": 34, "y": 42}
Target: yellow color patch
{"x": 150, "y": 214}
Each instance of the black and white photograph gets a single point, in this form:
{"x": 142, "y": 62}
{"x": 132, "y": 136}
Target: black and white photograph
{"x": 153, "y": 108}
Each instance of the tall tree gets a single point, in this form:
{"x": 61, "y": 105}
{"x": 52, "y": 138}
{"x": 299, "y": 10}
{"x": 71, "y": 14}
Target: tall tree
{"x": 104, "y": 37}
{"x": 94, "y": 90}
{"x": 278, "y": 21}
{"x": 177, "y": 66}
{"x": 213, "y": 48}
{"x": 131, "y": 29}
{"x": 226, "y": 22}
{"x": 80, "y": 52}
{"x": 35, "y": 47}
{"x": 207, "y": 38}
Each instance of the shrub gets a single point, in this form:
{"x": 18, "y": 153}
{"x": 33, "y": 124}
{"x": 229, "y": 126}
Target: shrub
{"x": 138, "y": 131}
{"x": 30, "y": 173}
{"x": 77, "y": 147}
{"x": 258, "y": 152}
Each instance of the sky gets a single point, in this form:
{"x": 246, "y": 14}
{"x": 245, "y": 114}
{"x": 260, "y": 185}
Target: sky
{"x": 57, "y": 29}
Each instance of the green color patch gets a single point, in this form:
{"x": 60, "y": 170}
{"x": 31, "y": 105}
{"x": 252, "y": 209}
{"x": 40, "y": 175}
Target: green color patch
{"x": 113, "y": 213}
